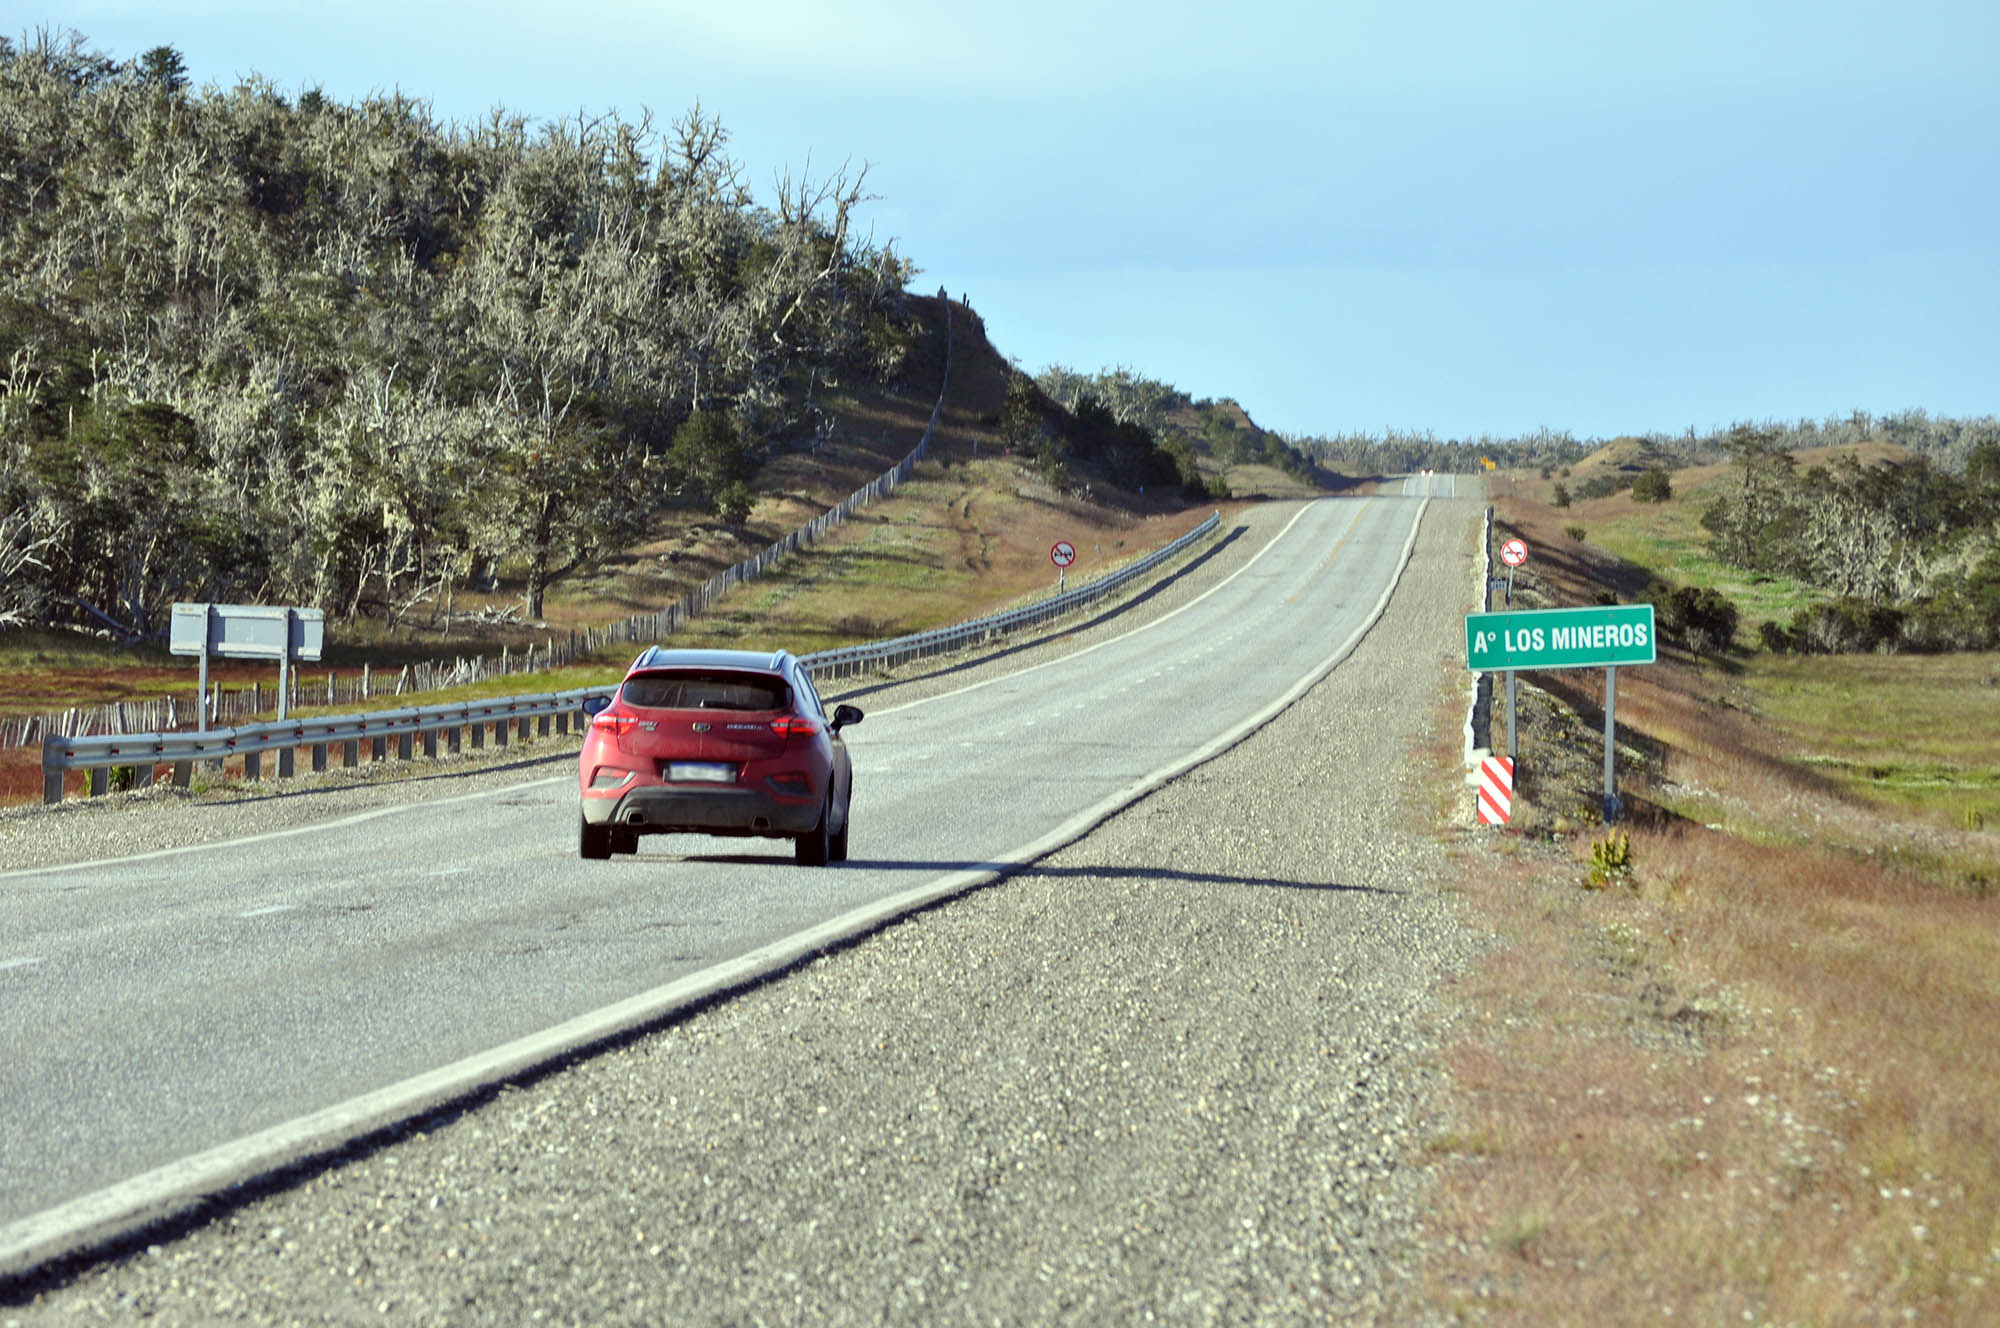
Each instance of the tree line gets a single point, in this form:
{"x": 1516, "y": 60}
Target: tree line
{"x": 1908, "y": 552}
{"x": 286, "y": 348}
{"x": 1180, "y": 426}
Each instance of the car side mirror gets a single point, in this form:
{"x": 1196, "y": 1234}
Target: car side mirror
{"x": 593, "y": 704}
{"x": 843, "y": 715}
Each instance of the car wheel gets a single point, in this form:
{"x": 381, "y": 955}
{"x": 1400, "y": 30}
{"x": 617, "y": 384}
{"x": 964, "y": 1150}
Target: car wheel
{"x": 836, "y": 845}
{"x": 811, "y": 848}
{"x": 594, "y": 842}
{"x": 624, "y": 841}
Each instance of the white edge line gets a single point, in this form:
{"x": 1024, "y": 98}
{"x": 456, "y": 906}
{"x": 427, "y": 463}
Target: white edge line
{"x": 131, "y": 1205}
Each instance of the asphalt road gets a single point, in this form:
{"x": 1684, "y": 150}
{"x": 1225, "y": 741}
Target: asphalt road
{"x": 157, "y": 1006}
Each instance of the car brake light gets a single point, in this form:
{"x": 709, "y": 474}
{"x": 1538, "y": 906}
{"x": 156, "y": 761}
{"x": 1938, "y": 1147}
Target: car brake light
{"x": 614, "y": 721}
{"x": 794, "y": 726}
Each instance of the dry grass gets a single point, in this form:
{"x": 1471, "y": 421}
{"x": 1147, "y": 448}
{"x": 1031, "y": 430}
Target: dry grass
{"x": 1753, "y": 1082}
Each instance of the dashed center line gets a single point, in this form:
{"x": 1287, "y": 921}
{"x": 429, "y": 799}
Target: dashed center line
{"x": 266, "y": 911}
{"x": 28, "y": 961}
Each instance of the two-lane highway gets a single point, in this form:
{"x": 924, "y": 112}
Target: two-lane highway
{"x": 154, "y": 1007}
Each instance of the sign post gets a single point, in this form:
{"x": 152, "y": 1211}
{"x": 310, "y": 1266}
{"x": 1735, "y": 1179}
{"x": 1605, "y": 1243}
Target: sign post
{"x": 1513, "y": 553}
{"x": 1062, "y": 555}
{"x": 246, "y": 631}
{"x": 1601, "y": 636}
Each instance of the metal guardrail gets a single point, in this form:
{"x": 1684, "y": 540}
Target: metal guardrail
{"x": 142, "y": 753}
{"x": 897, "y": 650}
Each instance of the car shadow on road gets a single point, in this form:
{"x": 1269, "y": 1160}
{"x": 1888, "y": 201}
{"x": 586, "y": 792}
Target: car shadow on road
{"x": 1110, "y": 873}
{"x": 1012, "y": 870}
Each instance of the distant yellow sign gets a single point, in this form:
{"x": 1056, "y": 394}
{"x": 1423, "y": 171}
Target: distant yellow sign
{"x": 1489, "y": 463}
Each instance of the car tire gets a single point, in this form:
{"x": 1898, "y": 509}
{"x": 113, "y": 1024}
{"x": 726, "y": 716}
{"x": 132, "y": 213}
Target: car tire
{"x": 594, "y": 842}
{"x": 836, "y": 845}
{"x": 812, "y": 848}
{"x": 624, "y": 841}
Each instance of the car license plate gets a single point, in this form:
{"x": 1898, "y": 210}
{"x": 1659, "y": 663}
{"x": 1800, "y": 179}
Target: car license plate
{"x": 701, "y": 772}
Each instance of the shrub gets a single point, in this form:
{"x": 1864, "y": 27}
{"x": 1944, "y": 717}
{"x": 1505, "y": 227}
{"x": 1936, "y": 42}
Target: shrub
{"x": 1575, "y": 532}
{"x": 733, "y": 504}
{"x": 1561, "y": 495}
{"x": 1610, "y": 860}
{"x": 1775, "y": 638}
{"x": 1653, "y": 486}
{"x": 1699, "y": 617}
{"x": 1845, "y": 626}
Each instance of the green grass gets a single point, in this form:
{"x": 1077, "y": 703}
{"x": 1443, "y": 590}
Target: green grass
{"x": 1912, "y": 734}
{"x": 1668, "y": 539}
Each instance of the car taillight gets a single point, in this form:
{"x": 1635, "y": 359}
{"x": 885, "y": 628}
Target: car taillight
{"x": 794, "y": 726}
{"x": 615, "y": 722}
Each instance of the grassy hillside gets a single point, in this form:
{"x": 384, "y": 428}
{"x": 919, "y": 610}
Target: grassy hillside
{"x": 968, "y": 535}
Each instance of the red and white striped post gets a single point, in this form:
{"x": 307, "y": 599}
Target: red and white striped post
{"x": 1496, "y": 790}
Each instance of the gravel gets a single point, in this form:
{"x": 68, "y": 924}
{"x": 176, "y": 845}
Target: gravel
{"x": 1183, "y": 1070}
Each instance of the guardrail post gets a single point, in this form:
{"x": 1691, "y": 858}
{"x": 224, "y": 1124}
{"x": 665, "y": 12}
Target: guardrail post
{"x": 405, "y": 746}
{"x": 500, "y": 733}
{"x": 100, "y": 781}
{"x": 430, "y": 743}
{"x": 288, "y": 762}
{"x": 543, "y": 726}
{"x": 453, "y": 737}
{"x": 183, "y": 774}
{"x": 378, "y": 748}
{"x": 350, "y": 753}
{"x": 52, "y": 776}
{"x": 253, "y": 765}
{"x": 562, "y": 723}
{"x": 523, "y": 729}
{"x": 319, "y": 758}
{"x": 142, "y": 775}
{"x": 478, "y": 736}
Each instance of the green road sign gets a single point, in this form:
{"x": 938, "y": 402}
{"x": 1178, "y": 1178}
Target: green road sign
{"x": 1596, "y": 637}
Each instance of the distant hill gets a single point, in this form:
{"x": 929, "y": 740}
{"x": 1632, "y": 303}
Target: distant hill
{"x": 1227, "y": 445}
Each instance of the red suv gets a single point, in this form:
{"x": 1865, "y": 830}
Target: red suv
{"x": 716, "y": 742}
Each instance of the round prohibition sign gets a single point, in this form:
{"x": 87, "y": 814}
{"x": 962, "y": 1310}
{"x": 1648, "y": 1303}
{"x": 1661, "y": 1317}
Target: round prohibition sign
{"x": 1514, "y": 552}
{"x": 1063, "y": 554}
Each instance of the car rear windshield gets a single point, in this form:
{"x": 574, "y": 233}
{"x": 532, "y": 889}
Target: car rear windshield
{"x": 702, "y": 690}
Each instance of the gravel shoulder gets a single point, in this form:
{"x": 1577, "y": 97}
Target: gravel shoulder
{"x": 1181, "y": 1070}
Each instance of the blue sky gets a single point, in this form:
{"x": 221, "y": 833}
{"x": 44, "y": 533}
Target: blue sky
{"x": 1452, "y": 215}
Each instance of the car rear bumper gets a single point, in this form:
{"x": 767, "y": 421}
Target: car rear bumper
{"x": 720, "y": 811}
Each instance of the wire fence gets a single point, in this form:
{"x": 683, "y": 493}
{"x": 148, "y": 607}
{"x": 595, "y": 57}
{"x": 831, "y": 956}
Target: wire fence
{"x": 228, "y": 706}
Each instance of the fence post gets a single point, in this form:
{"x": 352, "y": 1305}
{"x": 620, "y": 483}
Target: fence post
{"x": 52, "y": 775}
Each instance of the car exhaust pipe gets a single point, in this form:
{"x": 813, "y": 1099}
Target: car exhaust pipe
{"x": 635, "y": 817}
{"x": 761, "y": 823}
